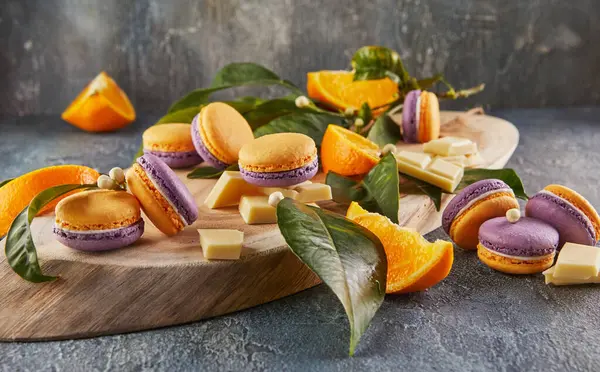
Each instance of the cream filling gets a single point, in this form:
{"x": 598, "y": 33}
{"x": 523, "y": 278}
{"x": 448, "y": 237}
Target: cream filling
{"x": 162, "y": 192}
{"x": 532, "y": 258}
{"x": 480, "y": 197}
{"x": 585, "y": 217}
{"x": 86, "y": 232}
{"x": 418, "y": 116}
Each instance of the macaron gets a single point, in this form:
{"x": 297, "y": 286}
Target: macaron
{"x": 282, "y": 159}
{"x": 569, "y": 212}
{"x": 218, "y": 133}
{"x": 98, "y": 220}
{"x": 172, "y": 143}
{"x": 475, "y": 204}
{"x": 522, "y": 246}
{"x": 420, "y": 117}
{"x": 163, "y": 197}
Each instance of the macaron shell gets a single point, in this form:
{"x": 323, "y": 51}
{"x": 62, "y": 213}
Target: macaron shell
{"x": 278, "y": 152}
{"x": 409, "y": 119}
{"x": 514, "y": 265}
{"x": 102, "y": 240}
{"x": 429, "y": 126}
{"x": 175, "y": 137}
{"x": 465, "y": 227}
{"x": 202, "y": 150}
{"x": 578, "y": 201}
{"x": 223, "y": 131}
{"x": 281, "y": 179}
{"x": 177, "y": 160}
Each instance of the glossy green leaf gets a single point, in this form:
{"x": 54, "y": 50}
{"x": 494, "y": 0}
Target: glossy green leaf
{"x": 378, "y": 192}
{"x": 376, "y": 62}
{"x": 3, "y": 183}
{"x": 384, "y": 131}
{"x": 210, "y": 172}
{"x": 311, "y": 124}
{"x": 230, "y": 76}
{"x": 272, "y": 109}
{"x": 245, "y": 104}
{"x": 509, "y": 176}
{"x": 348, "y": 258}
{"x": 429, "y": 82}
{"x": 365, "y": 113}
{"x": 19, "y": 248}
{"x": 411, "y": 185}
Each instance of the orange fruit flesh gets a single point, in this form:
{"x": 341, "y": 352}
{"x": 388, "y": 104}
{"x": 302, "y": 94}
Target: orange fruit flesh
{"x": 414, "y": 264}
{"x": 16, "y": 195}
{"x": 346, "y": 152}
{"x": 101, "y": 107}
{"x": 338, "y": 90}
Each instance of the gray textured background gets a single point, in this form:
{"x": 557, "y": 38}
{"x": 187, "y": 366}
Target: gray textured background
{"x": 530, "y": 53}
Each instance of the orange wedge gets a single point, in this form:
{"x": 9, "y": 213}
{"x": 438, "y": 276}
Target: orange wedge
{"x": 16, "y": 195}
{"x": 338, "y": 90}
{"x": 414, "y": 264}
{"x": 101, "y": 107}
{"x": 347, "y": 153}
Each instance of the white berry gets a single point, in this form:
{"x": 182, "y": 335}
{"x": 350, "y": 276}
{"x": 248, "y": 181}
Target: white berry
{"x": 349, "y": 111}
{"x": 513, "y": 215}
{"x": 390, "y": 147}
{"x": 117, "y": 175}
{"x": 359, "y": 122}
{"x": 302, "y": 101}
{"x": 275, "y": 198}
{"x": 106, "y": 183}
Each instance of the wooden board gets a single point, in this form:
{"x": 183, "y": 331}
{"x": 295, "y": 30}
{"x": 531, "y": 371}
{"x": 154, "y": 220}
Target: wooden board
{"x": 162, "y": 281}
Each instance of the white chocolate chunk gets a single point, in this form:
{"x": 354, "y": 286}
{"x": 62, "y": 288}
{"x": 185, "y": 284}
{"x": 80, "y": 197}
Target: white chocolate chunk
{"x": 450, "y": 146}
{"x": 293, "y": 187}
{"x": 459, "y": 160}
{"x": 229, "y": 190}
{"x": 256, "y": 210}
{"x": 314, "y": 193}
{"x": 438, "y": 172}
{"x": 576, "y": 264}
{"x": 474, "y": 160}
{"x": 221, "y": 244}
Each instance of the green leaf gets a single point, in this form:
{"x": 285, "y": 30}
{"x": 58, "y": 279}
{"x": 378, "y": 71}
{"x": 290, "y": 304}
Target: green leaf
{"x": 230, "y": 76}
{"x": 19, "y": 248}
{"x": 348, "y": 258}
{"x": 376, "y": 62}
{"x": 509, "y": 176}
{"x": 245, "y": 104}
{"x": 429, "y": 82}
{"x": 311, "y": 124}
{"x": 384, "y": 131}
{"x": 210, "y": 172}
{"x": 272, "y": 109}
{"x": 5, "y": 182}
{"x": 378, "y": 192}
{"x": 411, "y": 185}
{"x": 365, "y": 113}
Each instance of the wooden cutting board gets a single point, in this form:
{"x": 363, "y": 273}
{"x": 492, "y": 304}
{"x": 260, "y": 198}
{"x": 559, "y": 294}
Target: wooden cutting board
{"x": 162, "y": 281}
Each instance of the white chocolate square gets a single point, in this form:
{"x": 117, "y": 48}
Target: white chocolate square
{"x": 577, "y": 261}
{"x": 417, "y": 159}
{"x": 229, "y": 190}
{"x": 256, "y": 210}
{"x": 314, "y": 192}
{"x": 450, "y": 146}
{"x": 459, "y": 160}
{"x": 438, "y": 172}
{"x": 221, "y": 244}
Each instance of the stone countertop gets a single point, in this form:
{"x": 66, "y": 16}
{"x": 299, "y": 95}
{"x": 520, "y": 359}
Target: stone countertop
{"x": 476, "y": 319}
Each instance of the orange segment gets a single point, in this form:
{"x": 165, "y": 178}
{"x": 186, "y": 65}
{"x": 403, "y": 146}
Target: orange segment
{"x": 16, "y": 195}
{"x": 414, "y": 264}
{"x": 337, "y": 89}
{"x": 346, "y": 152}
{"x": 101, "y": 107}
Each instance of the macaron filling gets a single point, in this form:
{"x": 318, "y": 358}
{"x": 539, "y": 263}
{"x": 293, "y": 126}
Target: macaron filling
{"x": 100, "y": 240}
{"x": 201, "y": 147}
{"x": 469, "y": 196}
{"x": 283, "y": 178}
{"x": 410, "y": 116}
{"x": 569, "y": 208}
{"x": 177, "y": 158}
{"x": 168, "y": 190}
{"x": 519, "y": 258}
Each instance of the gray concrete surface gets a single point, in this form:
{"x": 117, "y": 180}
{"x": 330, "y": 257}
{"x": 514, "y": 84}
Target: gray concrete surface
{"x": 475, "y": 320}
{"x": 530, "y": 53}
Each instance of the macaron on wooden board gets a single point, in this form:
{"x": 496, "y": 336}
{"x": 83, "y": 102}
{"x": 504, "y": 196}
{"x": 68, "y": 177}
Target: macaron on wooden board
{"x": 161, "y": 281}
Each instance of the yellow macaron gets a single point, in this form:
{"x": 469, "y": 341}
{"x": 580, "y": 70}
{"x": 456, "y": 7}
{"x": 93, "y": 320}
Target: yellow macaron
{"x": 172, "y": 143}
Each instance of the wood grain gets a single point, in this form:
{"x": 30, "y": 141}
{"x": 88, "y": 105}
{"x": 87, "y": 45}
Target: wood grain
{"x": 162, "y": 281}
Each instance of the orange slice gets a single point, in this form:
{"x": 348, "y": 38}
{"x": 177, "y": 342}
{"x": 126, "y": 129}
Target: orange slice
{"x": 16, "y": 195}
{"x": 101, "y": 107}
{"x": 347, "y": 153}
{"x": 338, "y": 90}
{"x": 414, "y": 264}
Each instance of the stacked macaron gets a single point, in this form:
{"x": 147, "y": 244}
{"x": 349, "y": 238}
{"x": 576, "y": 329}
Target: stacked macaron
{"x": 163, "y": 197}
{"x": 172, "y": 143}
{"x": 569, "y": 212}
{"x": 420, "y": 117}
{"x": 282, "y": 159}
{"x": 98, "y": 220}
{"x": 218, "y": 134}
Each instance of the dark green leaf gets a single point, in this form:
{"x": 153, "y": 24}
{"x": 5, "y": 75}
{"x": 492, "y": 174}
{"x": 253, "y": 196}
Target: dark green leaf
{"x": 509, "y": 176}
{"x": 19, "y": 248}
{"x": 313, "y": 125}
{"x": 230, "y": 76}
{"x": 210, "y": 172}
{"x": 245, "y": 104}
{"x": 429, "y": 82}
{"x": 375, "y": 62}
{"x": 411, "y": 185}
{"x": 378, "y": 192}
{"x": 365, "y": 113}
{"x": 273, "y": 109}
{"x": 384, "y": 131}
{"x": 5, "y": 182}
{"x": 348, "y": 258}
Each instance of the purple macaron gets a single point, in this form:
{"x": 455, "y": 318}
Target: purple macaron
{"x": 528, "y": 237}
{"x": 172, "y": 143}
{"x": 410, "y": 117}
{"x": 98, "y": 220}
